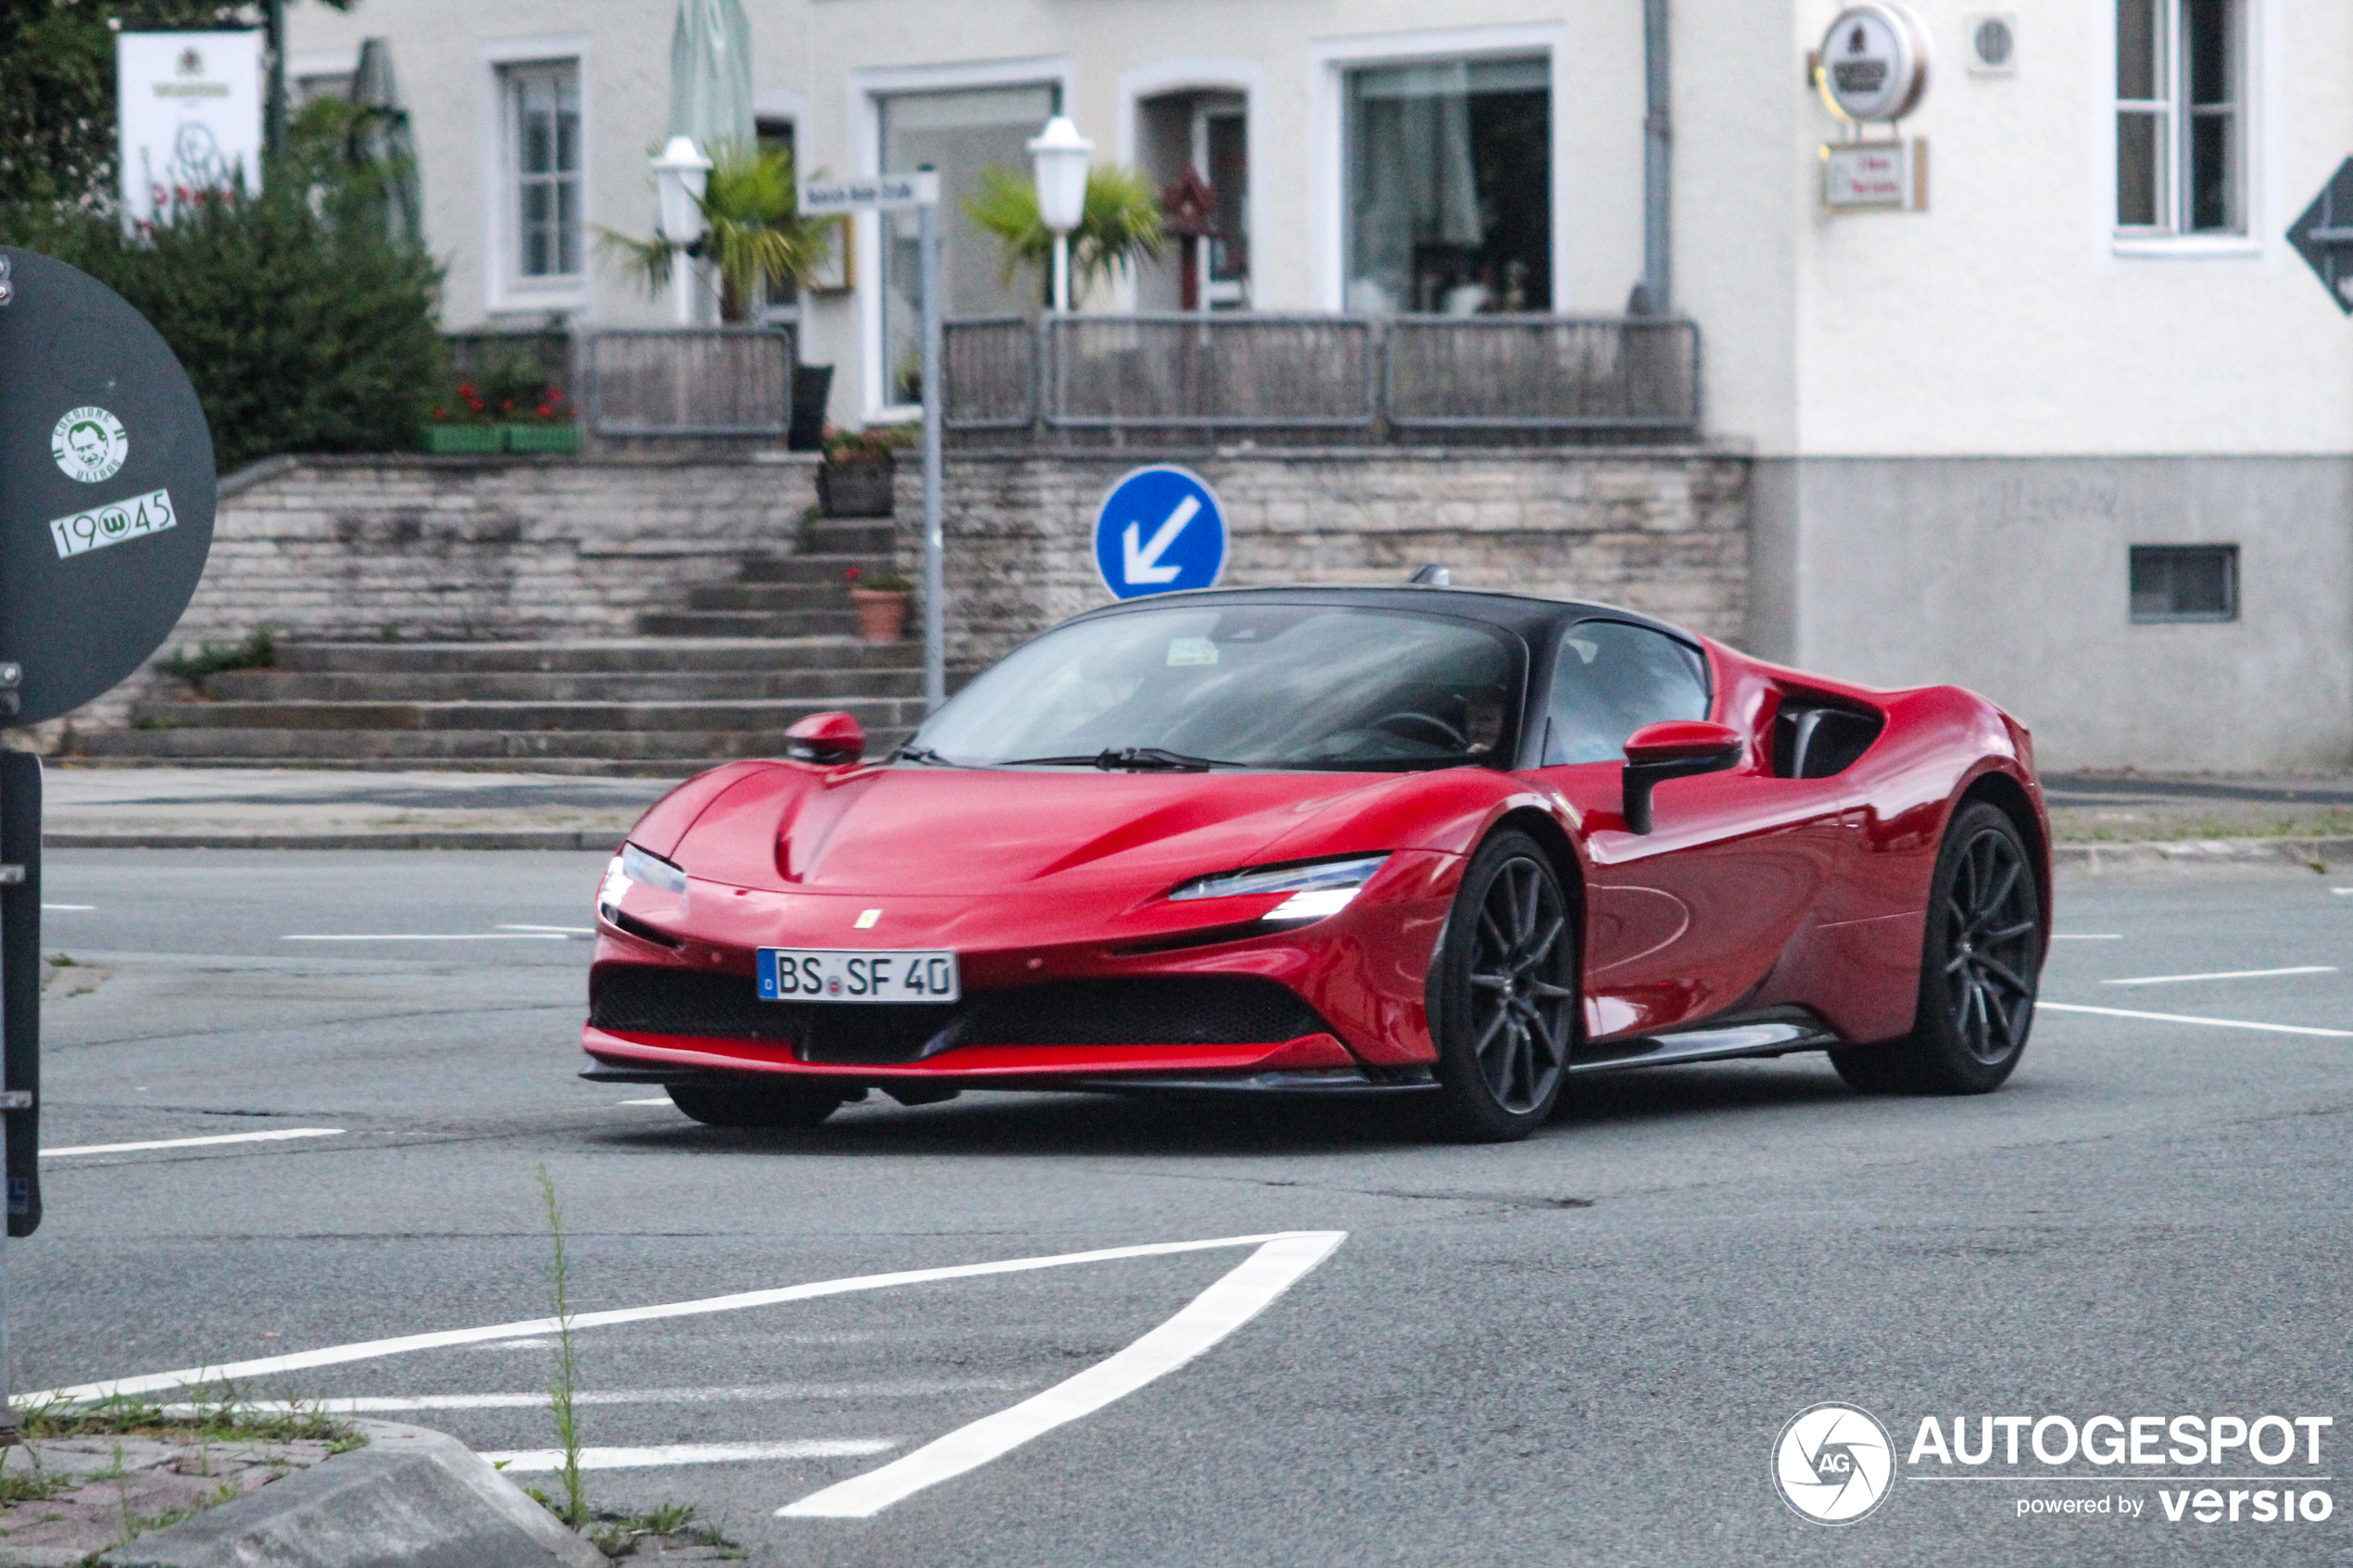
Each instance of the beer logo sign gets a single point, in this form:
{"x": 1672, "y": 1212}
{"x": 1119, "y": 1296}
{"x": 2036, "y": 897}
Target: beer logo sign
{"x": 90, "y": 444}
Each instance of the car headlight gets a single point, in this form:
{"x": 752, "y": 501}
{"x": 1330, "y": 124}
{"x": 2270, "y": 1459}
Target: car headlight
{"x": 1317, "y": 888}
{"x": 634, "y": 864}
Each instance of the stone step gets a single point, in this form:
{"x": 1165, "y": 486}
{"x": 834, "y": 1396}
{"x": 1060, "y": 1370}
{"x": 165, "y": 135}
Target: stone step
{"x": 757, "y": 718}
{"x": 642, "y": 685}
{"x": 849, "y": 536}
{"x": 596, "y": 655}
{"x": 812, "y": 567}
{"x": 749, "y": 622}
{"x": 663, "y": 752}
{"x": 771, "y": 596}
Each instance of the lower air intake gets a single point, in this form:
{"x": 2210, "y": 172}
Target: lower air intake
{"x": 1183, "y": 1011}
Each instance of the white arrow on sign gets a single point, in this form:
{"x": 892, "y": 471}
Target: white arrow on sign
{"x": 1143, "y": 565}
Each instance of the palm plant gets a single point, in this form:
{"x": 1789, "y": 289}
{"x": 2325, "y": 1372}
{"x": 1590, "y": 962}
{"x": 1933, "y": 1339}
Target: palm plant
{"x": 1120, "y": 224}
{"x": 753, "y": 232}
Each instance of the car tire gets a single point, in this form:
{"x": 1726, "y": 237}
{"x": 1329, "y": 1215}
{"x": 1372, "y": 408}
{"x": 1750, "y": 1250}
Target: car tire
{"x": 1980, "y": 962}
{"x": 1505, "y": 994}
{"x": 755, "y": 1104}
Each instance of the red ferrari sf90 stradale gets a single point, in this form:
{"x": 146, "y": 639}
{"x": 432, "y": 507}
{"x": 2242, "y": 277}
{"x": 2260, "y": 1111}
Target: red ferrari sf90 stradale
{"x": 1416, "y": 840}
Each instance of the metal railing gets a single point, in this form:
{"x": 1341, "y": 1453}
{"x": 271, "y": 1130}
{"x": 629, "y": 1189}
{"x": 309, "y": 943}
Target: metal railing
{"x": 688, "y": 381}
{"x": 1319, "y": 377}
{"x": 1540, "y": 373}
{"x": 471, "y": 352}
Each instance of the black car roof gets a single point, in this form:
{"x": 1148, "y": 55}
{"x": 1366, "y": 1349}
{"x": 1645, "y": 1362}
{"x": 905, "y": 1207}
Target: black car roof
{"x": 1525, "y": 614}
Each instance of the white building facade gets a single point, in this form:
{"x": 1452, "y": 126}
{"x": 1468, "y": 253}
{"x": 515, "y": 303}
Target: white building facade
{"x": 2077, "y": 432}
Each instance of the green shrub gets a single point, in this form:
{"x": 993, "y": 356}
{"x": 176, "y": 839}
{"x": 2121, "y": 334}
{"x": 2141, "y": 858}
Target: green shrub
{"x": 258, "y": 651}
{"x": 304, "y": 327}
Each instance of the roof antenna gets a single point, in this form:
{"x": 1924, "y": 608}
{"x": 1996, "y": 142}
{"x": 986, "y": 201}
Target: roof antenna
{"x": 1431, "y": 576}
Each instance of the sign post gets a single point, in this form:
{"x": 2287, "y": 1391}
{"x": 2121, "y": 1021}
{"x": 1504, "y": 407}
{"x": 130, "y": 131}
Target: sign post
{"x": 896, "y": 192}
{"x": 107, "y": 492}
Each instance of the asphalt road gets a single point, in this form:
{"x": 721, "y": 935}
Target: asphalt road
{"x": 1578, "y": 1350}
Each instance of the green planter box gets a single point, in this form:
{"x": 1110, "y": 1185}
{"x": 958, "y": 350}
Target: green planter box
{"x": 543, "y": 438}
{"x": 473, "y": 440}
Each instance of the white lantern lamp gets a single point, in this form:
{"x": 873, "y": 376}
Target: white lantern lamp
{"x": 680, "y": 175}
{"x": 1060, "y": 154}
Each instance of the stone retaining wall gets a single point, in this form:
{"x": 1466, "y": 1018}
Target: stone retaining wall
{"x": 509, "y": 548}
{"x": 423, "y": 548}
{"x": 1659, "y": 530}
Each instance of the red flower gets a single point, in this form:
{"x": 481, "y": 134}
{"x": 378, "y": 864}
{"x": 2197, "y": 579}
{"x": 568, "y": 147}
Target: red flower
{"x": 546, "y": 410}
{"x": 441, "y": 413}
{"x": 851, "y": 575}
{"x": 554, "y": 395}
{"x": 465, "y": 389}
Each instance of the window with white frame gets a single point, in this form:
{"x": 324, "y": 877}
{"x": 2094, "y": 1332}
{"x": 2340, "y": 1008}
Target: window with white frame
{"x": 2181, "y": 116}
{"x": 1448, "y": 186}
{"x": 542, "y": 111}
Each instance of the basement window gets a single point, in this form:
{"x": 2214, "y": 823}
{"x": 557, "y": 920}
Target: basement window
{"x": 2186, "y": 582}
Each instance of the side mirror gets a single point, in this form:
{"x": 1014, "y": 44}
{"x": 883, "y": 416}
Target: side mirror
{"x": 1680, "y": 748}
{"x": 830, "y": 740}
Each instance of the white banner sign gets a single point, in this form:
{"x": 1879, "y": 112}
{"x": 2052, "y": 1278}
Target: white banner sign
{"x": 191, "y": 116}
{"x": 1875, "y": 176}
{"x": 881, "y": 192}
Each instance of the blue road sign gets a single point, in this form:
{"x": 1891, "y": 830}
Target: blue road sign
{"x": 1160, "y": 530}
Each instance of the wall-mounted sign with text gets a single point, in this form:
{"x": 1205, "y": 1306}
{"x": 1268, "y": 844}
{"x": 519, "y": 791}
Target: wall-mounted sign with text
{"x": 1875, "y": 176}
{"x": 1874, "y": 63}
{"x": 190, "y": 117}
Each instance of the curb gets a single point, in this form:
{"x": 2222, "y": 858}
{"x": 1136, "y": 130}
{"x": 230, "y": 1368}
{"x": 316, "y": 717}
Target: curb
{"x": 2309, "y": 853}
{"x": 410, "y": 1497}
{"x": 431, "y": 838}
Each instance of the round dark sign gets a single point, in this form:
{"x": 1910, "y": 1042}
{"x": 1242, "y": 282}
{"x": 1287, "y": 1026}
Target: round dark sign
{"x": 105, "y": 485}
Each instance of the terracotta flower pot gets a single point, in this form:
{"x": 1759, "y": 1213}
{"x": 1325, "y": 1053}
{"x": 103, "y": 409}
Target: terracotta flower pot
{"x": 882, "y": 613}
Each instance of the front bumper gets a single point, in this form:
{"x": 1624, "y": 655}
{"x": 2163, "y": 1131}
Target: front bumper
{"x": 1358, "y": 977}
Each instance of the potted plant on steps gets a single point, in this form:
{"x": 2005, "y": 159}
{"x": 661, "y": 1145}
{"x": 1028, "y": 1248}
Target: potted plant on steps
{"x": 859, "y": 472}
{"x": 881, "y": 599}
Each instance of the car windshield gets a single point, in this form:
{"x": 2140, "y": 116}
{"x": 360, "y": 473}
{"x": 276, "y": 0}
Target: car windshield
{"x": 1254, "y": 686}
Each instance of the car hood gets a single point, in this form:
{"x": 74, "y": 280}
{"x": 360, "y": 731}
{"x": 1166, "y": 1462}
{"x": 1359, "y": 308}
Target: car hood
{"x": 954, "y": 830}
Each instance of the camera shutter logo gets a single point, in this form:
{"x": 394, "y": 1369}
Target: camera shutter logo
{"x": 89, "y": 444}
{"x": 1834, "y": 1463}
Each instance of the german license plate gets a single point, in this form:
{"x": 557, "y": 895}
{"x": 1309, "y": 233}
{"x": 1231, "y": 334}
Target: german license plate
{"x": 818, "y": 974}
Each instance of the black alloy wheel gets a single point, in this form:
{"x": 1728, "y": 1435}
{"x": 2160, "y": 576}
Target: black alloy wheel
{"x": 1980, "y": 964}
{"x": 755, "y": 1104}
{"x": 1504, "y": 993}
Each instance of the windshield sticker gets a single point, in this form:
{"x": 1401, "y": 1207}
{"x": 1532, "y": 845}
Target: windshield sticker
{"x": 1191, "y": 650}
{"x": 140, "y": 515}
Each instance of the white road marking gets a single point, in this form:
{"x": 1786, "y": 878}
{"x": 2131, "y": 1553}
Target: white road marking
{"x": 437, "y": 936}
{"x": 664, "y": 1100}
{"x": 2225, "y": 974}
{"x": 560, "y": 930}
{"x": 195, "y": 1143}
{"x": 690, "y": 1453}
{"x": 84, "y": 908}
{"x": 2086, "y": 936}
{"x": 537, "y": 1398}
{"x": 1280, "y": 1263}
{"x": 367, "y": 1349}
{"x": 2185, "y": 1018}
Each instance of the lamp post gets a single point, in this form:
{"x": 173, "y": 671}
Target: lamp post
{"x": 681, "y": 174}
{"x": 1060, "y": 154}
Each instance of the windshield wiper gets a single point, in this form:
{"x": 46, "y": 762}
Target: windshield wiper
{"x": 1133, "y": 758}
{"x": 921, "y": 754}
